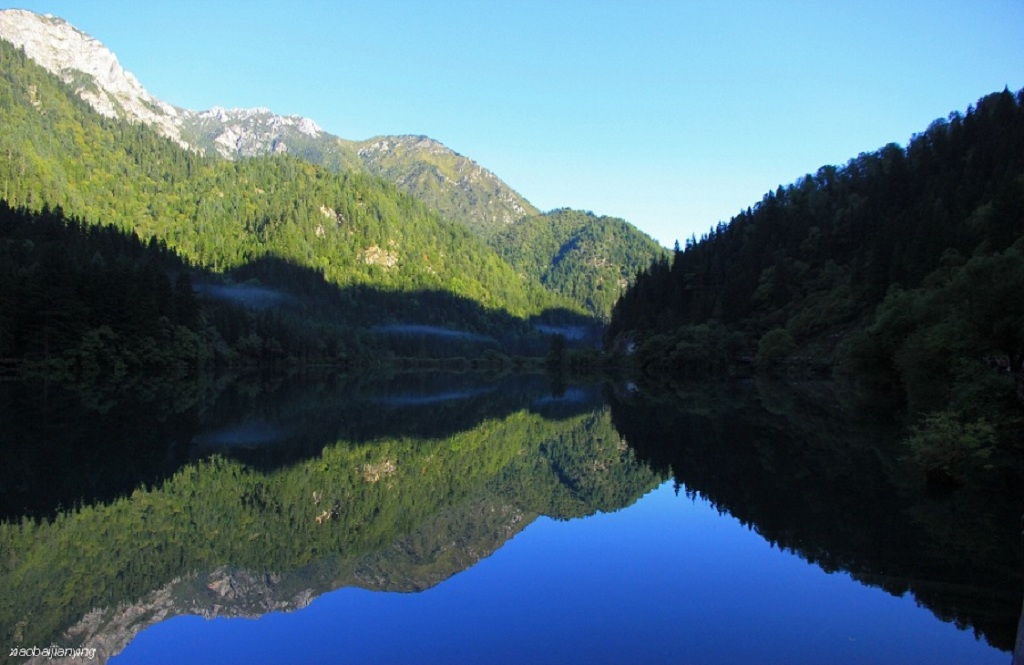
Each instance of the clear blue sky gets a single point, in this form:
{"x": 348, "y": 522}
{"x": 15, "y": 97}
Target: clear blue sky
{"x": 672, "y": 115}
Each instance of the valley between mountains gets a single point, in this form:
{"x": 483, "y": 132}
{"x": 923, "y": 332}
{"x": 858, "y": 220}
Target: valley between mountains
{"x": 347, "y": 236}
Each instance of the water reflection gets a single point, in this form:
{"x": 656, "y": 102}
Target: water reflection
{"x": 258, "y": 497}
{"x": 666, "y": 580}
{"x": 290, "y": 509}
{"x": 812, "y": 476}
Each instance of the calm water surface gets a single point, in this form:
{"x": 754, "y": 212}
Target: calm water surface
{"x": 494, "y": 522}
{"x": 667, "y": 580}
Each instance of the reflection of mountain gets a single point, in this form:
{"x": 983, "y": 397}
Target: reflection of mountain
{"x": 442, "y": 546}
{"x": 99, "y": 448}
{"x": 222, "y": 538}
{"x": 304, "y": 415}
{"x": 833, "y": 489}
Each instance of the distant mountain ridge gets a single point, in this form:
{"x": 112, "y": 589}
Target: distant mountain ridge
{"x": 603, "y": 257}
{"x": 453, "y": 185}
{"x": 429, "y": 171}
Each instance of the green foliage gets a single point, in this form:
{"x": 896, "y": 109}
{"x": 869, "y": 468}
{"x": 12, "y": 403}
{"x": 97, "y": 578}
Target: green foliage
{"x": 556, "y": 358}
{"x": 905, "y": 268}
{"x": 92, "y": 302}
{"x": 814, "y": 472}
{"x": 587, "y": 259}
{"x": 368, "y": 496}
{"x": 937, "y": 343}
{"x": 774, "y": 348}
{"x": 818, "y": 256}
{"x": 948, "y": 448}
{"x": 450, "y": 184}
{"x": 690, "y": 351}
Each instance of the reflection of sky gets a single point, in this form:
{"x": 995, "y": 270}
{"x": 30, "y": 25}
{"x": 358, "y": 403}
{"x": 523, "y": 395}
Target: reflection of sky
{"x": 667, "y": 580}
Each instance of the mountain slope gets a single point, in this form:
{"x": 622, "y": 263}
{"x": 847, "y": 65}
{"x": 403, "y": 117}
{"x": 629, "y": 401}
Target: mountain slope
{"x": 824, "y": 252}
{"x": 447, "y": 503}
{"x": 449, "y": 183}
{"x": 588, "y": 259}
{"x": 588, "y": 271}
{"x": 904, "y": 268}
{"x": 90, "y": 69}
{"x": 457, "y": 187}
{"x": 352, "y": 228}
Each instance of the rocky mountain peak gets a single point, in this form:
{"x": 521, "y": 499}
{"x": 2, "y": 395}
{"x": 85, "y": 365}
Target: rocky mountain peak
{"x": 453, "y": 185}
{"x": 94, "y": 72}
{"x": 69, "y": 53}
{"x": 250, "y": 132}
{"x": 263, "y": 116}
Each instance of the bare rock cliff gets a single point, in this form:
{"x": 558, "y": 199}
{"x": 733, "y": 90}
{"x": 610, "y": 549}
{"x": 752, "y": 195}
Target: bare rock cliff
{"x": 90, "y": 68}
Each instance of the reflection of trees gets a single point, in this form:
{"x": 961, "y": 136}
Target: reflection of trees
{"x": 63, "y": 448}
{"x": 831, "y": 487}
{"x": 397, "y": 512}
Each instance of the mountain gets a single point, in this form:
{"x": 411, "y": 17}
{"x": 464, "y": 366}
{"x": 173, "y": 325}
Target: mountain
{"x": 818, "y": 256}
{"x": 822, "y": 480}
{"x": 241, "y": 133}
{"x": 586, "y": 258}
{"x": 221, "y": 538}
{"x": 902, "y": 269}
{"x": 90, "y": 69}
{"x": 451, "y": 184}
{"x": 347, "y": 248}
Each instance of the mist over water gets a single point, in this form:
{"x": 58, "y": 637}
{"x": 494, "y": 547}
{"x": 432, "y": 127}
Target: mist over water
{"x": 432, "y": 331}
{"x": 249, "y": 295}
{"x": 572, "y": 333}
{"x": 249, "y": 434}
{"x": 434, "y": 398}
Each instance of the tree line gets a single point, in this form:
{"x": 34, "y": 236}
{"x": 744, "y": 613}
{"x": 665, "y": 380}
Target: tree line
{"x": 904, "y": 268}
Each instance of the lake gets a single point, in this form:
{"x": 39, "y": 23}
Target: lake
{"x": 448, "y": 518}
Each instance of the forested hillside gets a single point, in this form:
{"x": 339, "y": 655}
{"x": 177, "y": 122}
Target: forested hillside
{"x": 904, "y": 267}
{"x": 588, "y": 259}
{"x": 95, "y": 305}
{"x": 822, "y": 253}
{"x": 261, "y": 218}
{"x": 92, "y": 297}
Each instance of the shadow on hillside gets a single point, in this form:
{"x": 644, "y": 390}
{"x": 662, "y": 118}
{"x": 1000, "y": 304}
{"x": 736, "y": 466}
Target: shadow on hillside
{"x": 407, "y": 322}
{"x": 123, "y": 419}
